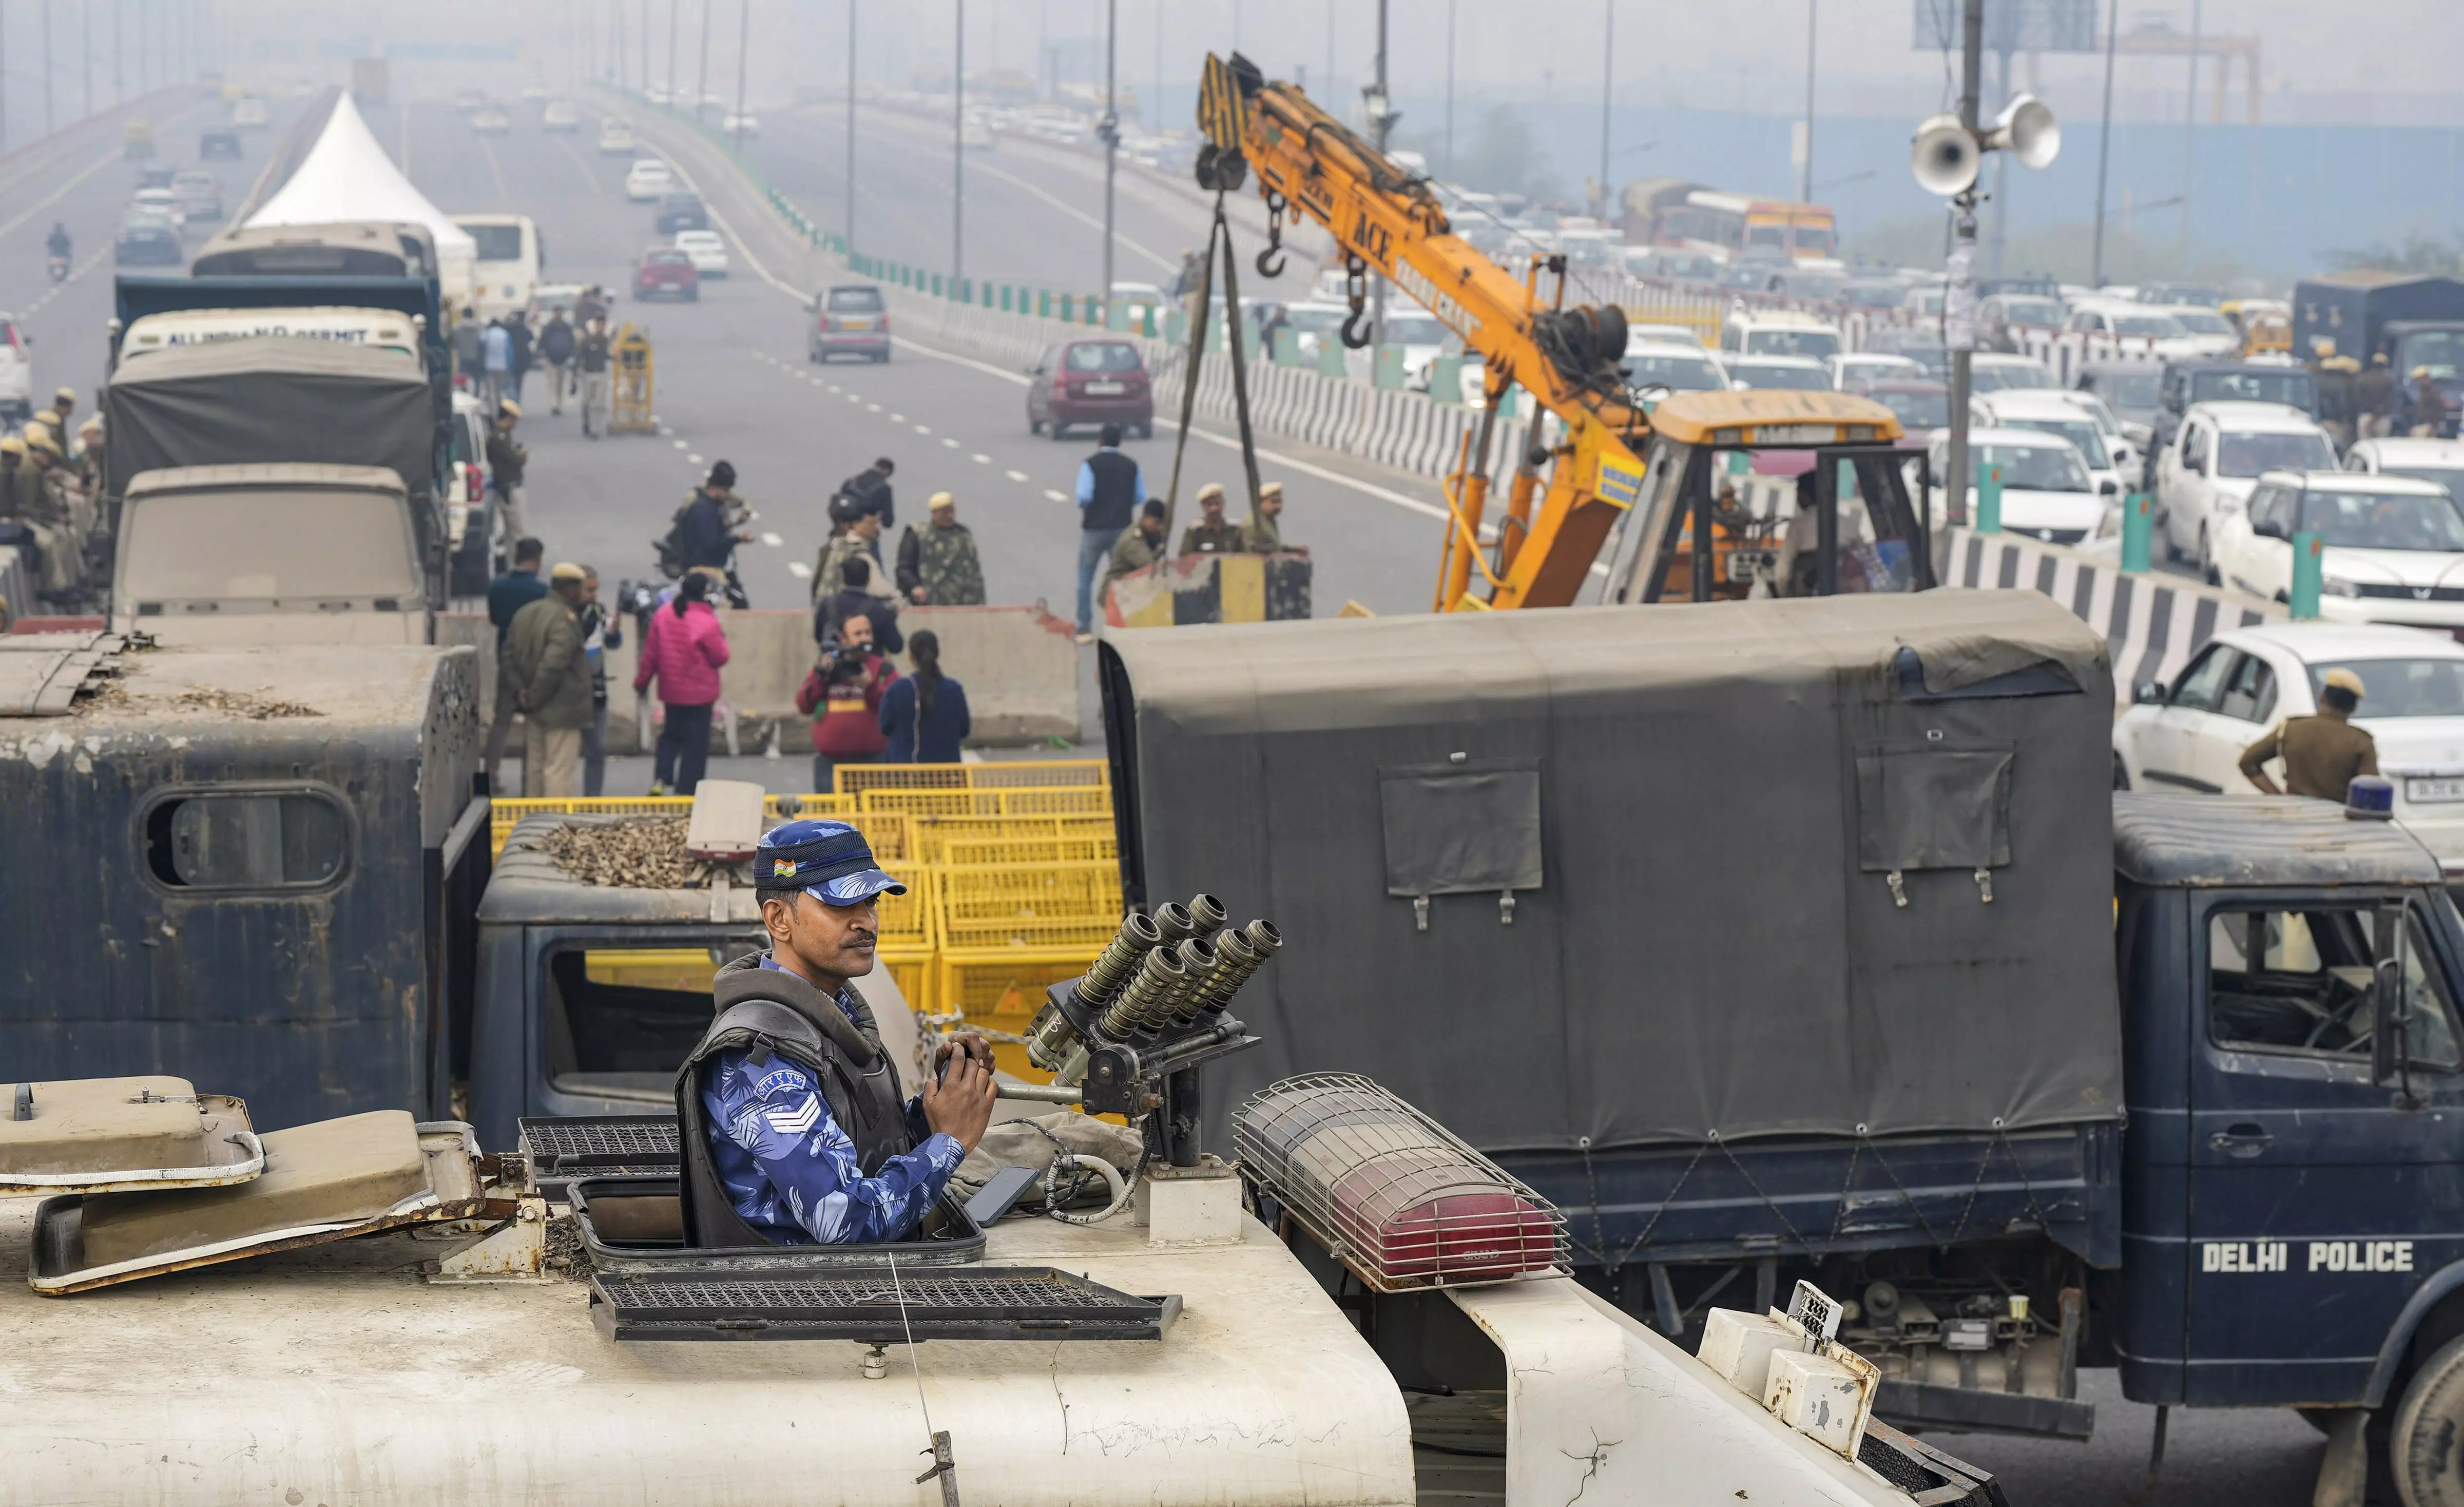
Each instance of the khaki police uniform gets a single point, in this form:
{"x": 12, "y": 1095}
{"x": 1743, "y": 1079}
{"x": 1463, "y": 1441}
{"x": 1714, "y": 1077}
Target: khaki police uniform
{"x": 2322, "y": 754}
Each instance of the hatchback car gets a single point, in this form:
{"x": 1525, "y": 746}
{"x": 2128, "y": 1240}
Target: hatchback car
{"x": 709, "y": 252}
{"x": 1918, "y": 403}
{"x": 667, "y": 272}
{"x": 649, "y": 180}
{"x": 147, "y": 240}
{"x": 160, "y": 201}
{"x": 1992, "y": 372}
{"x": 849, "y": 320}
{"x": 2053, "y": 413}
{"x": 218, "y": 143}
{"x": 559, "y": 115}
{"x": 2392, "y": 548}
{"x": 2189, "y": 735}
{"x": 199, "y": 194}
{"x": 491, "y": 122}
{"x": 615, "y": 139}
{"x": 2046, "y": 491}
{"x": 682, "y": 212}
{"x": 1851, "y": 368}
{"x": 1089, "y": 381}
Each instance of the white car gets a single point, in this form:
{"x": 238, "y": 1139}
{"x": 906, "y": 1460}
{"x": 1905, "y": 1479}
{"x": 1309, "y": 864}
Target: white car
{"x": 2439, "y": 460}
{"x": 615, "y": 139}
{"x": 2046, "y": 491}
{"x": 2053, "y": 413}
{"x": 2117, "y": 434}
{"x": 2128, "y": 320}
{"x": 2218, "y": 457}
{"x": 1997, "y": 371}
{"x": 1678, "y": 334}
{"x": 1782, "y": 374}
{"x": 975, "y": 135}
{"x": 1872, "y": 365}
{"x": 2189, "y": 736}
{"x": 491, "y": 122}
{"x": 649, "y": 179}
{"x": 2208, "y": 334}
{"x": 1678, "y": 366}
{"x": 532, "y": 94}
{"x": 163, "y": 202}
{"x": 2391, "y": 547}
{"x": 1778, "y": 332}
{"x": 560, "y": 115}
{"x": 706, "y": 250}
{"x": 734, "y": 124}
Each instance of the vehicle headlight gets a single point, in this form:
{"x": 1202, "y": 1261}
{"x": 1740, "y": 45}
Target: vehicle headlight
{"x": 2337, "y": 585}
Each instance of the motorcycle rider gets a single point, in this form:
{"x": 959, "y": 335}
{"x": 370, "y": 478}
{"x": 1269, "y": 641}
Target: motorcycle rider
{"x": 59, "y": 245}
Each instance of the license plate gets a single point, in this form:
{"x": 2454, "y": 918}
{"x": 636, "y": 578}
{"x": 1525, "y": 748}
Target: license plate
{"x": 1106, "y": 390}
{"x": 856, "y": 325}
{"x": 2423, "y": 791}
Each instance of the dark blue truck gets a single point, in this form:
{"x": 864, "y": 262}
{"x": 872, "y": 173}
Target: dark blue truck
{"x": 1793, "y": 939}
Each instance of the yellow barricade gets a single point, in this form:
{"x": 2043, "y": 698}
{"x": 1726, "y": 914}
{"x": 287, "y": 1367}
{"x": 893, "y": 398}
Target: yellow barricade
{"x": 1088, "y": 846}
{"x": 855, "y": 779}
{"x": 1049, "y": 907}
{"x": 1068, "y": 800}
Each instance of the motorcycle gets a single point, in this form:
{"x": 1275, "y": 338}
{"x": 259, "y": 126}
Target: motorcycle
{"x": 59, "y": 267}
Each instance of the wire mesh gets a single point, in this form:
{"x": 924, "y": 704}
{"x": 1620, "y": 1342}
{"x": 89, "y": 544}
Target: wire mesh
{"x": 933, "y": 803}
{"x": 906, "y": 920}
{"x": 858, "y": 779}
{"x": 1393, "y": 1194}
{"x": 1053, "y": 905}
{"x": 1010, "y": 983}
{"x": 649, "y": 1138}
{"x": 1090, "y": 847}
{"x": 923, "y": 1291}
{"x": 1068, "y": 800}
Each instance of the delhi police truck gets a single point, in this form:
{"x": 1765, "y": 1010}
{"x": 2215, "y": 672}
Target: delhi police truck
{"x": 1804, "y": 939}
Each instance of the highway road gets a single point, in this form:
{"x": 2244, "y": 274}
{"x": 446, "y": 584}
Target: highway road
{"x": 732, "y": 382}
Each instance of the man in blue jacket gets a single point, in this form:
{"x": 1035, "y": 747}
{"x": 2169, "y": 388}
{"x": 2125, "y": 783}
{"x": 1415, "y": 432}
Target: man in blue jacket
{"x": 794, "y": 1131}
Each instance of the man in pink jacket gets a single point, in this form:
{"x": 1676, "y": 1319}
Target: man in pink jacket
{"x": 682, "y": 652}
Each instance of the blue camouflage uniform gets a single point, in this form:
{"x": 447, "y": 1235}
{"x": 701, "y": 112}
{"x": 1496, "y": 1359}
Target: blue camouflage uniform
{"x": 788, "y": 1168}
{"x": 790, "y": 1171}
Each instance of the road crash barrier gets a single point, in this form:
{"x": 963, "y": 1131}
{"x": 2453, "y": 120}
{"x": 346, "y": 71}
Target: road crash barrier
{"x": 1020, "y": 666}
{"x": 1210, "y": 589}
{"x": 2151, "y": 624}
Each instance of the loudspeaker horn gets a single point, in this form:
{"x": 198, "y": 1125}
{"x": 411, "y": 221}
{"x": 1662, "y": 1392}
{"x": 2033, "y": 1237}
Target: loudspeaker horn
{"x": 1943, "y": 156}
{"x": 2026, "y": 129}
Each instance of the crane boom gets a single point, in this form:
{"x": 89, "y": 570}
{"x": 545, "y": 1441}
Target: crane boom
{"x": 1385, "y": 219}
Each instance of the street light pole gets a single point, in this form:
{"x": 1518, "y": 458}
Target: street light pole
{"x": 959, "y": 148}
{"x": 1805, "y": 169}
{"x": 86, "y": 51}
{"x": 47, "y": 67}
{"x": 1608, "y": 81}
{"x": 1450, "y": 88}
{"x": 672, "y": 59}
{"x": 743, "y": 65}
{"x": 1108, "y": 131}
{"x": 1381, "y": 118}
{"x": 850, "y": 131}
{"x": 1959, "y": 296}
{"x": 2104, "y": 144}
{"x": 701, "y": 81}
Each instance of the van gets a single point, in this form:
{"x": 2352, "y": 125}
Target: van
{"x": 1778, "y": 332}
{"x": 511, "y": 255}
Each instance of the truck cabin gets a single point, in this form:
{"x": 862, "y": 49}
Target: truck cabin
{"x": 1845, "y": 525}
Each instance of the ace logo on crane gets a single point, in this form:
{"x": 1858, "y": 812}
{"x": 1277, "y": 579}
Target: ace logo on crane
{"x": 1374, "y": 240}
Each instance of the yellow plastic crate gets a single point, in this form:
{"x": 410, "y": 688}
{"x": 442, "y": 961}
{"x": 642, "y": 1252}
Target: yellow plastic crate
{"x": 931, "y": 803}
{"x": 907, "y": 919}
{"x": 1065, "y": 800}
{"x": 1040, "y": 848}
{"x": 1051, "y": 907}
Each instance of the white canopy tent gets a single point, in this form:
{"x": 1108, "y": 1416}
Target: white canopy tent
{"x": 347, "y": 178}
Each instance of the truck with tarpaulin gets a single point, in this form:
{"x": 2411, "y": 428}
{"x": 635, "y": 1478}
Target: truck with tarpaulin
{"x": 1804, "y": 939}
{"x": 257, "y": 865}
{"x": 2415, "y": 321}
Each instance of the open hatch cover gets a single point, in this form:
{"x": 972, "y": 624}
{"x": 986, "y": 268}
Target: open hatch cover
{"x": 116, "y": 1135}
{"x": 327, "y": 1180}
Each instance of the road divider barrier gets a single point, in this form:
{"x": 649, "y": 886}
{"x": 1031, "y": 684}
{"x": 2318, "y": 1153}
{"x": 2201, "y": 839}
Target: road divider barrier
{"x": 1020, "y": 665}
{"x": 2151, "y": 624}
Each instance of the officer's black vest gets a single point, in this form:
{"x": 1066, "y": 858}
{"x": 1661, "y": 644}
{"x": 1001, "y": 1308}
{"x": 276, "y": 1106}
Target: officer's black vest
{"x": 1117, "y": 491}
{"x": 765, "y": 1007}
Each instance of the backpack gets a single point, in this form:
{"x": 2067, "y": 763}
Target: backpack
{"x": 671, "y": 545}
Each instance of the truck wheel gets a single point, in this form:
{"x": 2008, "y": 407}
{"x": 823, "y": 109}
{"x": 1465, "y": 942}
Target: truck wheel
{"x": 2426, "y": 1445}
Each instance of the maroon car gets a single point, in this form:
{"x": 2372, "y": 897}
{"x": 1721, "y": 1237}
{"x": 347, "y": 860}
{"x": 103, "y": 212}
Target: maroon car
{"x": 666, "y": 273}
{"x": 1089, "y": 381}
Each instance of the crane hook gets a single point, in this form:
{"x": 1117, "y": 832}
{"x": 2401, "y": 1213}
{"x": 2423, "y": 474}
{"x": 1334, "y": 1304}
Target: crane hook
{"x": 1270, "y": 262}
{"x": 1354, "y": 337}
{"x": 1355, "y": 289}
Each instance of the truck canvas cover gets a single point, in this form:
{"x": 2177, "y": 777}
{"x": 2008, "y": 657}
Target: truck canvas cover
{"x": 1612, "y": 876}
{"x": 267, "y": 399}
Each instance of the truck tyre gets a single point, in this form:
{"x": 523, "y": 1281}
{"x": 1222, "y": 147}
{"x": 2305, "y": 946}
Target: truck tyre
{"x": 2426, "y": 1445}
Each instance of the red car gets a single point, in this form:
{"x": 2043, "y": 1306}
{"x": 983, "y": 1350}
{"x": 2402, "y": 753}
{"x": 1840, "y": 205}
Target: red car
{"x": 666, "y": 273}
{"x": 1089, "y": 381}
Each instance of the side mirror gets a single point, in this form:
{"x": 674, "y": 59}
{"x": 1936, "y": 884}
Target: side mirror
{"x": 2109, "y": 487}
{"x": 2267, "y": 528}
{"x": 2150, "y": 693}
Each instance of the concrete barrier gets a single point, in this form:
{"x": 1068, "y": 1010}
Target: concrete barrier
{"x": 1020, "y": 666}
{"x": 1210, "y": 589}
{"x": 2151, "y": 624}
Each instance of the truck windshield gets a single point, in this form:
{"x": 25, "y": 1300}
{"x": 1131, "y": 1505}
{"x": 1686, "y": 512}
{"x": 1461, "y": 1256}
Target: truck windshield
{"x": 298, "y": 546}
{"x": 2383, "y": 521}
{"x": 2247, "y": 454}
{"x": 2442, "y": 351}
{"x": 2401, "y": 687}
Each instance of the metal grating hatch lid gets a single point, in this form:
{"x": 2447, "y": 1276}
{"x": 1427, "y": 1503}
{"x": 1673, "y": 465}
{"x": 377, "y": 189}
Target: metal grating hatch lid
{"x": 565, "y": 1148}
{"x": 876, "y": 1307}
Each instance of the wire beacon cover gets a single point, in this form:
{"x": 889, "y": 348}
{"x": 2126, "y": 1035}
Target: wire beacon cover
{"x": 1389, "y": 1190}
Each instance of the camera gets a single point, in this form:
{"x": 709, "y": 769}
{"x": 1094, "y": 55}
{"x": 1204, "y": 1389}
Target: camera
{"x": 638, "y": 598}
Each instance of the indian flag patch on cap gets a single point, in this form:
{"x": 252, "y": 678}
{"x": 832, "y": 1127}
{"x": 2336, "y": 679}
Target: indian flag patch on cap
{"x": 783, "y": 868}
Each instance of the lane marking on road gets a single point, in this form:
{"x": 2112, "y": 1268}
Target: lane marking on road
{"x": 873, "y": 408}
{"x": 680, "y": 444}
{"x": 1077, "y": 213}
{"x": 495, "y": 168}
{"x": 949, "y": 444}
{"x": 981, "y": 459}
{"x": 1050, "y": 496}
{"x": 923, "y": 428}
{"x": 695, "y": 459}
{"x": 56, "y": 195}
{"x": 855, "y": 397}
{"x": 1015, "y": 475}
{"x": 93, "y": 259}
{"x": 898, "y": 418}
{"x": 598, "y": 190}
{"x": 834, "y": 387}
{"x": 772, "y": 540}
{"x": 800, "y": 570}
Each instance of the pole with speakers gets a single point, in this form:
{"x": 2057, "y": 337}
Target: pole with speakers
{"x": 1946, "y": 155}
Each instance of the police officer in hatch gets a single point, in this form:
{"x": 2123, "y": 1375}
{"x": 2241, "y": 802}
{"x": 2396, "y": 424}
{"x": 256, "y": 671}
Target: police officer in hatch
{"x": 794, "y": 1128}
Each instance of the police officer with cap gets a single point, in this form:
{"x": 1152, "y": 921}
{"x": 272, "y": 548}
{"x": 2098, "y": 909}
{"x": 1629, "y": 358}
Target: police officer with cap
{"x": 794, "y": 1127}
{"x": 2321, "y": 753}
